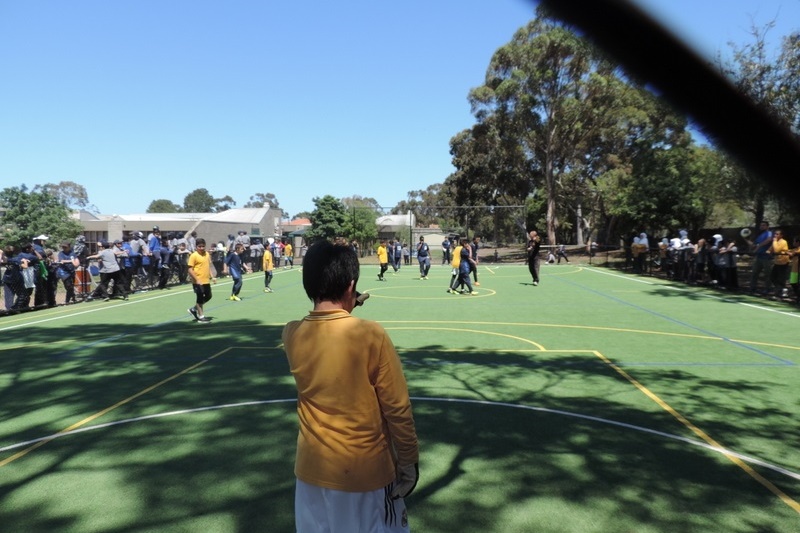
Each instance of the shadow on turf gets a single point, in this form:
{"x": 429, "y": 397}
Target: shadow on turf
{"x": 495, "y": 464}
{"x": 483, "y": 467}
{"x": 224, "y": 470}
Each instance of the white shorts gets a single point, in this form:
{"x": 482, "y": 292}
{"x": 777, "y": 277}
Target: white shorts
{"x": 319, "y": 510}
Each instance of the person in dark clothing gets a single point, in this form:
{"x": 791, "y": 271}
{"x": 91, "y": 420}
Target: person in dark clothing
{"x": 534, "y": 243}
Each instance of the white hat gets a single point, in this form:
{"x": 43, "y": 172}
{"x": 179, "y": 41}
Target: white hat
{"x": 40, "y": 238}
{"x": 270, "y": 240}
{"x": 718, "y": 238}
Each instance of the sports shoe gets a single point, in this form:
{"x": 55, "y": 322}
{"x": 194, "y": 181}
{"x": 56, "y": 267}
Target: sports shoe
{"x": 477, "y": 284}
{"x": 535, "y": 283}
{"x": 193, "y": 312}
{"x": 234, "y": 298}
{"x": 204, "y": 319}
{"x": 473, "y": 293}
{"x": 450, "y": 291}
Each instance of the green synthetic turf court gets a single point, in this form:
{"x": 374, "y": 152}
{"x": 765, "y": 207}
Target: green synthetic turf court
{"x": 595, "y": 402}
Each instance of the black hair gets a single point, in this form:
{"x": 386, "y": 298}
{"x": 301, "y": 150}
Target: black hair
{"x": 328, "y": 270}
{"x": 201, "y": 241}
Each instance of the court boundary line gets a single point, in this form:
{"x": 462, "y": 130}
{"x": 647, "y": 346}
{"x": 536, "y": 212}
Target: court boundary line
{"x": 433, "y": 399}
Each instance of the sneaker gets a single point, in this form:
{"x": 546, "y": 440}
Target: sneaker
{"x": 204, "y": 319}
{"x": 535, "y": 283}
{"x": 193, "y": 312}
{"x": 477, "y": 284}
{"x": 473, "y": 293}
{"x": 107, "y": 298}
{"x": 234, "y": 298}
{"x": 450, "y": 291}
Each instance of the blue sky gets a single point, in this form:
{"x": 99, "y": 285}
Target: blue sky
{"x": 139, "y": 100}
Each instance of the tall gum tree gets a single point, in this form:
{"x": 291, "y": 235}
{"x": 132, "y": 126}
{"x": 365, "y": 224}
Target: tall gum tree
{"x": 541, "y": 83}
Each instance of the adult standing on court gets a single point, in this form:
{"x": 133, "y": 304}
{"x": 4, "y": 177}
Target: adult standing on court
{"x": 446, "y": 245}
{"x": 762, "y": 260}
{"x": 424, "y": 258}
{"x": 534, "y": 243}
{"x": 473, "y": 266}
{"x": 200, "y": 271}
{"x": 357, "y": 449}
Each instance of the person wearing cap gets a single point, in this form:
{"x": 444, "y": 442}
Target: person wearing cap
{"x": 109, "y": 271}
{"x": 424, "y": 258}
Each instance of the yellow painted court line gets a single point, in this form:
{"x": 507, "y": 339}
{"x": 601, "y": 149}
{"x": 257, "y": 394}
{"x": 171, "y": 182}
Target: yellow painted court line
{"x": 107, "y": 410}
{"x": 480, "y": 332}
{"x": 703, "y": 435}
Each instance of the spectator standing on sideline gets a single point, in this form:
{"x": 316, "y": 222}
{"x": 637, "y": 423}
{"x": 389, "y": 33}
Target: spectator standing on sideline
{"x": 67, "y": 262}
{"x": 406, "y": 254}
{"x": 109, "y": 272}
{"x": 794, "y": 273}
{"x": 534, "y": 243}
{"x": 424, "y": 258}
{"x": 779, "y": 250}
{"x": 200, "y": 271}
{"x": 357, "y": 449}
{"x": 762, "y": 260}
{"x": 233, "y": 267}
{"x": 446, "y": 245}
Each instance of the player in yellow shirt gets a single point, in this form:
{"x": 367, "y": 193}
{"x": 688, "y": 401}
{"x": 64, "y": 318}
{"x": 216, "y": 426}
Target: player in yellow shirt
{"x": 455, "y": 263}
{"x": 383, "y": 259}
{"x": 288, "y": 256}
{"x": 200, "y": 271}
{"x": 267, "y": 265}
{"x": 357, "y": 448}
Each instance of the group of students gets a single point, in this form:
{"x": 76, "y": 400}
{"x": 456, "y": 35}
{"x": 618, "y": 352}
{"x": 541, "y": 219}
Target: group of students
{"x": 465, "y": 256}
{"x": 31, "y": 272}
{"x": 715, "y": 261}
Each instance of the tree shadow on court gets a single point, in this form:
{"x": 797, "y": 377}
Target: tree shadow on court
{"x": 208, "y": 462}
{"x": 559, "y": 444}
{"x": 509, "y": 441}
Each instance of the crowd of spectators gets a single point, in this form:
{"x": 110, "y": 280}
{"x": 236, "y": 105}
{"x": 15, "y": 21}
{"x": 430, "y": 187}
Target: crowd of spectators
{"x": 31, "y": 273}
{"x": 717, "y": 261}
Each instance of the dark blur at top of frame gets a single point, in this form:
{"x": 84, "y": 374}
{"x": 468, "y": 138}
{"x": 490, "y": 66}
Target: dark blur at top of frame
{"x": 659, "y": 58}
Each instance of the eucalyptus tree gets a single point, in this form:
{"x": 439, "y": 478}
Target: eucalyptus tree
{"x": 542, "y": 85}
{"x": 262, "y": 199}
{"x": 772, "y": 80}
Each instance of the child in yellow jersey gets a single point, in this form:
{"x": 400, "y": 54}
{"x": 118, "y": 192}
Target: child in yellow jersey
{"x": 200, "y": 271}
{"x": 267, "y": 266}
{"x": 383, "y": 259}
{"x": 455, "y": 263}
{"x": 357, "y": 450}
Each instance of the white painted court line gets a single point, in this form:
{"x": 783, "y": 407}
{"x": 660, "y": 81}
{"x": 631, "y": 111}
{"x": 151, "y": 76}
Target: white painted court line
{"x": 723, "y": 451}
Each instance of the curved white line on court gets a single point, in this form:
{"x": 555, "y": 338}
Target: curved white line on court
{"x": 700, "y": 444}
